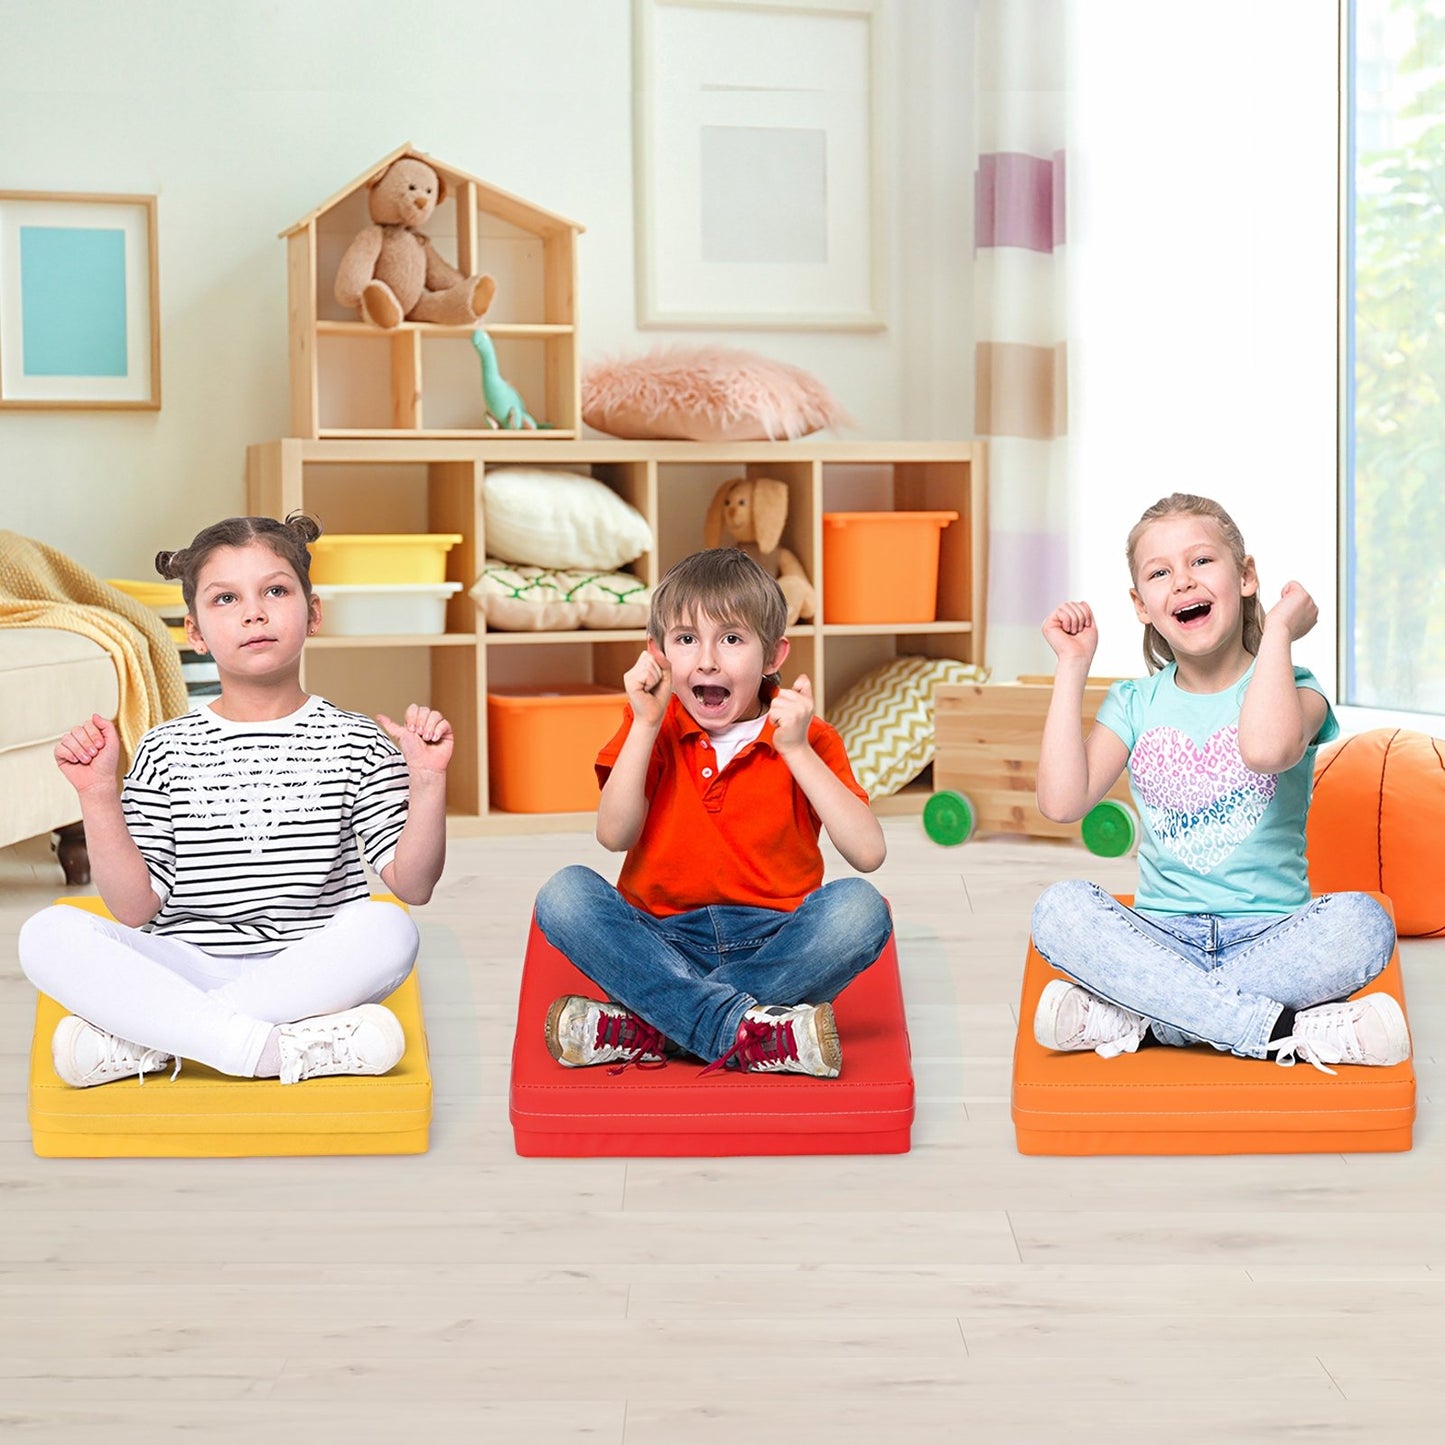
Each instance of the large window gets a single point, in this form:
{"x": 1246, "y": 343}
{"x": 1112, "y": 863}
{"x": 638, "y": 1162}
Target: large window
{"x": 1393, "y": 602}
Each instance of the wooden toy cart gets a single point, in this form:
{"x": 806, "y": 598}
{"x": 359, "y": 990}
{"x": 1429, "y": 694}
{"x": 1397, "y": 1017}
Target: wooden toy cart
{"x": 986, "y": 763}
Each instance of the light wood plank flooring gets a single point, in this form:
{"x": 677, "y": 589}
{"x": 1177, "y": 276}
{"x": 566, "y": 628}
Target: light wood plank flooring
{"x": 959, "y": 1292}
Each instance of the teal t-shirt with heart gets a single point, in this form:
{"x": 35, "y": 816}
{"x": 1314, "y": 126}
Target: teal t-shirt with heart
{"x": 1217, "y": 837}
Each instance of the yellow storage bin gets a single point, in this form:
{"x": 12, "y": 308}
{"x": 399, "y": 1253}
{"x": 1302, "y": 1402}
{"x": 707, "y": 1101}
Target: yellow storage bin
{"x": 165, "y": 599}
{"x": 543, "y": 742}
{"x": 368, "y": 559}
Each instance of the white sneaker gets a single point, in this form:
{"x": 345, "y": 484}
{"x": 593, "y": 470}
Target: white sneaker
{"x": 1369, "y": 1030}
{"x": 364, "y": 1040}
{"x": 85, "y": 1055}
{"x": 1069, "y": 1018}
{"x": 774, "y": 1038}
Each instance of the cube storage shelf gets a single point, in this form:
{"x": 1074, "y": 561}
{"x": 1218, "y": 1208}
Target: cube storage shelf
{"x": 377, "y": 484}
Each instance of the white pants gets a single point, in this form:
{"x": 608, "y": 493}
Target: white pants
{"x": 164, "y": 994}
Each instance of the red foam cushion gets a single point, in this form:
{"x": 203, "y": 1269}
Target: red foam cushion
{"x": 868, "y": 1109}
{"x": 1376, "y": 820}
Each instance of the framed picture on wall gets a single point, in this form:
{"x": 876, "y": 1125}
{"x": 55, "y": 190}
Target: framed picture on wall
{"x": 79, "y": 303}
{"x": 757, "y": 164}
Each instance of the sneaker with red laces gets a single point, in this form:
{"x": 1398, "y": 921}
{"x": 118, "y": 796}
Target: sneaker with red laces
{"x": 582, "y": 1031}
{"x": 774, "y": 1038}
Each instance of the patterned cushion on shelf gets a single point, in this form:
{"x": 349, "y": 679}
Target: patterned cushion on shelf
{"x": 560, "y": 519}
{"x": 535, "y": 599}
{"x": 886, "y": 719}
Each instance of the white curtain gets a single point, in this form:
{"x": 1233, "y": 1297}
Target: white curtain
{"x": 1020, "y": 302}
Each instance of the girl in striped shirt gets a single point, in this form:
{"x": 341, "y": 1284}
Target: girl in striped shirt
{"x": 243, "y": 934}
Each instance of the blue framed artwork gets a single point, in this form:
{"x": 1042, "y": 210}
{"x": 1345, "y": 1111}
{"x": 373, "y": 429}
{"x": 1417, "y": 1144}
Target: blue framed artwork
{"x": 79, "y": 305}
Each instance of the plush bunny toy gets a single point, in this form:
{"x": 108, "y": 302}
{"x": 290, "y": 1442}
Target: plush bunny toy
{"x": 753, "y": 511}
{"x": 391, "y": 270}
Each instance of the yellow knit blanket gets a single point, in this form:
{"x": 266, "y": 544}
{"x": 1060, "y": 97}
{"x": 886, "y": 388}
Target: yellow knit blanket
{"x": 40, "y": 587}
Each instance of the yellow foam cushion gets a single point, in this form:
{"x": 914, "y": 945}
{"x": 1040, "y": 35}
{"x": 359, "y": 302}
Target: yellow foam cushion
{"x": 205, "y": 1114}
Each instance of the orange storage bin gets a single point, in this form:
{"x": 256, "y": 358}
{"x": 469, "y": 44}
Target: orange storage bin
{"x": 882, "y": 566}
{"x": 543, "y": 741}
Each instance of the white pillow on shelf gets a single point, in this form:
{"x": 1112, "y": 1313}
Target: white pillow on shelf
{"x": 543, "y": 518}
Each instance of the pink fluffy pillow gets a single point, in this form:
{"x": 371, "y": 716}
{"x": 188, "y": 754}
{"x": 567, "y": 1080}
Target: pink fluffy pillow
{"x": 706, "y": 394}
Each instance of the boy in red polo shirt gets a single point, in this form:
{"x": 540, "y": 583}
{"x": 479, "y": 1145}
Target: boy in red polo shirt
{"x": 721, "y": 938}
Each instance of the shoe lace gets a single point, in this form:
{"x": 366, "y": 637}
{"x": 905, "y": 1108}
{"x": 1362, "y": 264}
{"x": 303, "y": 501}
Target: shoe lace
{"x": 1110, "y": 1029}
{"x": 620, "y": 1030}
{"x": 121, "y": 1056}
{"x": 759, "y": 1042}
{"x": 1125, "y": 1043}
{"x": 1312, "y": 1051}
{"x": 318, "y": 1047}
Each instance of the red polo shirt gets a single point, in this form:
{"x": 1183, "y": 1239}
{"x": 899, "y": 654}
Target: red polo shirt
{"x": 746, "y": 835}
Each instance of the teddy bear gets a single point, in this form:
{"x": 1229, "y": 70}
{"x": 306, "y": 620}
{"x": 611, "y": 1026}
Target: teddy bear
{"x": 391, "y": 270}
{"x": 753, "y": 511}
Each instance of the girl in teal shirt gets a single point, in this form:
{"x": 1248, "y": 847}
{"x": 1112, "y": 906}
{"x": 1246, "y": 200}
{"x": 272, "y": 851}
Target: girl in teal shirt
{"x": 1224, "y": 944}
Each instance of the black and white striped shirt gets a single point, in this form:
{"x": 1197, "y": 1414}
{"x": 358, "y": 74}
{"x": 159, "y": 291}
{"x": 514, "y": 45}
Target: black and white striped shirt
{"x": 250, "y": 830}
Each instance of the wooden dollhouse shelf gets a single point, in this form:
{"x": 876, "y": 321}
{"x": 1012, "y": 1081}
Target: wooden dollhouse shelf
{"x": 425, "y": 381}
{"x": 501, "y": 331}
{"x": 552, "y": 434}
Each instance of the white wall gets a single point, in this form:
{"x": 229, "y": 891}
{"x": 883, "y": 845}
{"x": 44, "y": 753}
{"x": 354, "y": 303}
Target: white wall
{"x": 242, "y": 115}
{"x": 1203, "y": 235}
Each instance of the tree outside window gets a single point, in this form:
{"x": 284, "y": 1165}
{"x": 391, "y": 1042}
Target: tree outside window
{"x": 1395, "y": 488}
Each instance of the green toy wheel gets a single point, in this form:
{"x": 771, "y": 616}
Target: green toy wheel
{"x": 949, "y": 818}
{"x": 1110, "y": 829}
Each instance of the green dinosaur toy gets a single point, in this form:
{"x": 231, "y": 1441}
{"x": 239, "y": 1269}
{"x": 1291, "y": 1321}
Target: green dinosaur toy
{"x": 505, "y": 408}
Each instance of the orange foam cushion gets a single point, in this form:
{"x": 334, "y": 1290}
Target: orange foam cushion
{"x": 1375, "y": 823}
{"x": 1201, "y": 1101}
{"x": 671, "y": 1111}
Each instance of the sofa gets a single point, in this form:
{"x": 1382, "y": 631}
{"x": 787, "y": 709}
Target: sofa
{"x": 70, "y": 645}
{"x": 49, "y": 681}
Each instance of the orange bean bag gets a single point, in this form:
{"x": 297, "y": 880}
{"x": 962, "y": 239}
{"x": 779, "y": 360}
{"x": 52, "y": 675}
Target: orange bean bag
{"x": 1376, "y": 823}
{"x": 1201, "y": 1101}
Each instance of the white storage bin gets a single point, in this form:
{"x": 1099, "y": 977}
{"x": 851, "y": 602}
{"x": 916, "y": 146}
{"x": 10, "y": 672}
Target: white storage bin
{"x": 386, "y": 609}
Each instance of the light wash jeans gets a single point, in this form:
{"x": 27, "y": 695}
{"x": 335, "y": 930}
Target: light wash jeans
{"x": 1210, "y": 978}
{"x": 694, "y": 975}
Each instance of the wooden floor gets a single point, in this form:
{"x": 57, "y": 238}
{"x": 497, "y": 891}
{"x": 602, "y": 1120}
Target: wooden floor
{"x": 958, "y": 1292}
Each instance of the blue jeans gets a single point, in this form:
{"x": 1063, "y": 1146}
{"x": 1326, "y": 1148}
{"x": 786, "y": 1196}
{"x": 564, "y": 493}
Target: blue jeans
{"x": 694, "y": 975}
{"x": 1210, "y": 978}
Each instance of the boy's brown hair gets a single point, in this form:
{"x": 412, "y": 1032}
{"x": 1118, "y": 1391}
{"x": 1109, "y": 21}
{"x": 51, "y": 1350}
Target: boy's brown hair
{"x": 725, "y": 584}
